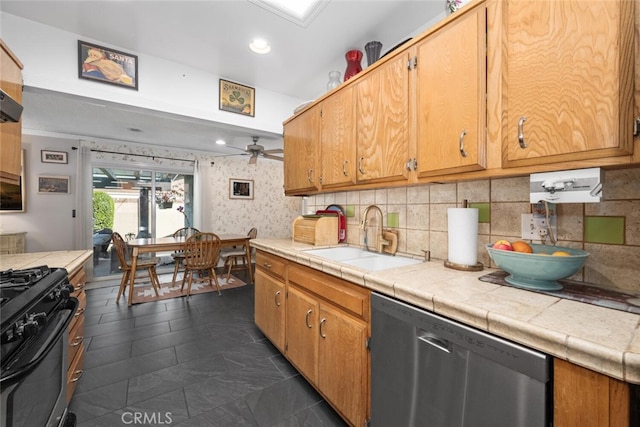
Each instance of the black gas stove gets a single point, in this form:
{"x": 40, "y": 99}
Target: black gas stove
{"x": 36, "y": 308}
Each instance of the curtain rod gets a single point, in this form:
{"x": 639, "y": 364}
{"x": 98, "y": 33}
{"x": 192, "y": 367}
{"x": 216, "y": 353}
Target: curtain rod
{"x": 139, "y": 155}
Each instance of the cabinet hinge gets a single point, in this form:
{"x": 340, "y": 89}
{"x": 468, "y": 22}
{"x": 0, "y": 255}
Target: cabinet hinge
{"x": 412, "y": 63}
{"x": 367, "y": 343}
{"x": 636, "y": 127}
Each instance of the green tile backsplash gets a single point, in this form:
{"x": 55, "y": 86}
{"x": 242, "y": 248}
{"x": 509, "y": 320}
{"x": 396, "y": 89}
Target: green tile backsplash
{"x": 393, "y": 219}
{"x": 351, "y": 211}
{"x": 484, "y": 212}
{"x": 604, "y": 229}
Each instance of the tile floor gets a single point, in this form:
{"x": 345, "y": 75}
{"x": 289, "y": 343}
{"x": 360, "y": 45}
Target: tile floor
{"x": 188, "y": 362}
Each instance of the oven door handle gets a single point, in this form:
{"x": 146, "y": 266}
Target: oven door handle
{"x": 62, "y": 320}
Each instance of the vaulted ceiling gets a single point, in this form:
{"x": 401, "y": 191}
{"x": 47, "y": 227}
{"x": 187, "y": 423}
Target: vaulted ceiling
{"x": 212, "y": 36}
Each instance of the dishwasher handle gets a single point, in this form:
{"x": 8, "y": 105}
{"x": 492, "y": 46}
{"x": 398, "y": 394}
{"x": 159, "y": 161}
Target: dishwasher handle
{"x": 433, "y": 340}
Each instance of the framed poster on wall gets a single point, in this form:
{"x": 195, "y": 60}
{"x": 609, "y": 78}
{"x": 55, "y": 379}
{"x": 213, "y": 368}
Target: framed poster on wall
{"x": 240, "y": 188}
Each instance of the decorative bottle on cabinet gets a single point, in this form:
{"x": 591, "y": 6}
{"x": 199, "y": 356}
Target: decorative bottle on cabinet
{"x": 334, "y": 80}
{"x": 353, "y": 58}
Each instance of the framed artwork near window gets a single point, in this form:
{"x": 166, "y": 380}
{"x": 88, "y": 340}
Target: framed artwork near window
{"x": 13, "y": 198}
{"x": 240, "y": 188}
{"x": 107, "y": 65}
{"x": 237, "y": 98}
{"x": 47, "y": 156}
{"x": 53, "y": 184}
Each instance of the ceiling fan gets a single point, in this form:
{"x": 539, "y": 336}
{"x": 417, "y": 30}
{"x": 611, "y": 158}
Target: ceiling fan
{"x": 256, "y": 151}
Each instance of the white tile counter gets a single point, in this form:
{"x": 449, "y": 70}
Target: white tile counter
{"x": 601, "y": 339}
{"x": 70, "y": 260}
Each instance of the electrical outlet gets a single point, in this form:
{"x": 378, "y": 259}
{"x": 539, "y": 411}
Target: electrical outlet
{"x": 535, "y": 228}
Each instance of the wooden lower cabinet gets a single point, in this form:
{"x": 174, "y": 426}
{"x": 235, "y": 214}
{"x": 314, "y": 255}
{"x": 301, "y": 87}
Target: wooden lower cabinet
{"x": 325, "y": 325}
{"x": 585, "y": 398}
{"x": 76, "y": 348}
{"x": 269, "y": 307}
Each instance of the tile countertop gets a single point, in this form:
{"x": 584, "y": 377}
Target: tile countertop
{"x": 601, "y": 339}
{"x": 70, "y": 260}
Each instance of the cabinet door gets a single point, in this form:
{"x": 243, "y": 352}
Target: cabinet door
{"x": 343, "y": 364}
{"x": 301, "y": 148}
{"x": 269, "y": 307}
{"x": 567, "y": 80}
{"x": 382, "y": 122}
{"x": 10, "y": 133}
{"x": 450, "y": 90}
{"x": 337, "y": 139}
{"x": 302, "y": 332}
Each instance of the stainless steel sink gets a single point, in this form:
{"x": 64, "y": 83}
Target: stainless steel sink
{"x": 356, "y": 257}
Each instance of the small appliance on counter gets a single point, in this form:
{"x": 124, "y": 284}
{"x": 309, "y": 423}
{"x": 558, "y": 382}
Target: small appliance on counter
{"x": 316, "y": 229}
{"x": 342, "y": 220}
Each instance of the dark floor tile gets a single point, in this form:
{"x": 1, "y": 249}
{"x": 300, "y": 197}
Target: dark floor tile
{"x": 235, "y": 413}
{"x": 98, "y": 402}
{"x": 208, "y": 345}
{"x": 165, "y": 409}
{"x": 168, "y": 340}
{"x": 107, "y": 355}
{"x": 279, "y": 401}
{"x": 131, "y": 334}
{"x": 108, "y": 328}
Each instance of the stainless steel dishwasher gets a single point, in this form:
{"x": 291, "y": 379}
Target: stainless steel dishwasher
{"x": 427, "y": 370}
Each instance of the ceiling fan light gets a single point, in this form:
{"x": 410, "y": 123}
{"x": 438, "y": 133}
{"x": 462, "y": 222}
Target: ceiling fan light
{"x": 260, "y": 46}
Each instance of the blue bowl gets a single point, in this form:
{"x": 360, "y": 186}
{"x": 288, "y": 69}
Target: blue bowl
{"x": 539, "y": 270}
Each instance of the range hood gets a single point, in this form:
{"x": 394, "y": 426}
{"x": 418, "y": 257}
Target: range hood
{"x": 10, "y": 110}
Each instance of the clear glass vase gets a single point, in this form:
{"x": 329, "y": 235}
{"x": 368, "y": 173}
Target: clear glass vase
{"x": 334, "y": 80}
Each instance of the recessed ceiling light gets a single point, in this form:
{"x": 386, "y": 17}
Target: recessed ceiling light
{"x": 260, "y": 46}
{"x": 301, "y": 12}
{"x": 221, "y": 142}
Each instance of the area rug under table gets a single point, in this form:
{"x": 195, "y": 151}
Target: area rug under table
{"x": 146, "y": 293}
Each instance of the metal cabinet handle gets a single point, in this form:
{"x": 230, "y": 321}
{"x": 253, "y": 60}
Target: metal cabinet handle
{"x": 360, "y": 165}
{"x": 462, "y": 152}
{"x": 321, "y": 329}
{"x": 521, "y": 132}
{"x": 80, "y": 312}
{"x": 306, "y": 318}
{"x": 267, "y": 265}
{"x": 434, "y": 341}
{"x": 344, "y": 168}
{"x": 76, "y": 376}
{"x": 275, "y": 297}
{"x": 77, "y": 341}
{"x": 409, "y": 165}
{"x": 309, "y": 175}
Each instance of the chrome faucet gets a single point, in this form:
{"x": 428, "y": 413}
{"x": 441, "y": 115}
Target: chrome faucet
{"x": 380, "y": 241}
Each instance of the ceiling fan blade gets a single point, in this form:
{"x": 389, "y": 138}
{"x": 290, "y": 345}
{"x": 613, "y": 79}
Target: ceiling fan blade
{"x": 274, "y": 151}
{"x": 269, "y": 156}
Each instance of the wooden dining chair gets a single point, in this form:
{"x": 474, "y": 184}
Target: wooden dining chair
{"x": 201, "y": 253}
{"x": 124, "y": 258}
{"x": 178, "y": 256}
{"x": 232, "y": 257}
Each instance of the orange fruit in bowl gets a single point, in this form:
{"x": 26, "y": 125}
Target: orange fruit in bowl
{"x": 561, "y": 253}
{"x": 521, "y": 246}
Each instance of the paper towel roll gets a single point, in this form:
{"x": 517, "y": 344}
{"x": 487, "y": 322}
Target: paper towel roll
{"x": 463, "y": 235}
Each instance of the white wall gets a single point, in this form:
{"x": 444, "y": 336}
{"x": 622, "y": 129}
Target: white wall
{"x": 47, "y": 218}
{"x": 50, "y": 58}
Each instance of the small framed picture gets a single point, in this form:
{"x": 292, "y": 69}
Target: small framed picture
{"x": 47, "y": 156}
{"x": 237, "y": 98}
{"x": 53, "y": 184}
{"x": 107, "y": 65}
{"x": 240, "y": 188}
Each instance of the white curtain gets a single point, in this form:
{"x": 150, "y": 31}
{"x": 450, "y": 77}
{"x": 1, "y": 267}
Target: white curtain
{"x": 201, "y": 208}
{"x": 84, "y": 202}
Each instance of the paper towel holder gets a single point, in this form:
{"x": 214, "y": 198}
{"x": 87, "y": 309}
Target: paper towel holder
{"x": 464, "y": 267}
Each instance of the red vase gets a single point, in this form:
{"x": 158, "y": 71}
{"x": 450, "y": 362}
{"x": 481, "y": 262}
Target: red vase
{"x": 353, "y": 58}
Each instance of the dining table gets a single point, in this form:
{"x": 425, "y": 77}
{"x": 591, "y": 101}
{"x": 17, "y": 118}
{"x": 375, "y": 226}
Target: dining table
{"x": 170, "y": 244}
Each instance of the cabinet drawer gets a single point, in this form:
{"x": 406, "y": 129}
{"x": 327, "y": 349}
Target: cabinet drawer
{"x": 271, "y": 264}
{"x": 76, "y": 339}
{"x": 75, "y": 373}
{"x": 350, "y": 297}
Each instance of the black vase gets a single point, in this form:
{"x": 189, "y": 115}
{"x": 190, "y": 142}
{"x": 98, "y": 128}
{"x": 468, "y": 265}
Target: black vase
{"x": 373, "y": 51}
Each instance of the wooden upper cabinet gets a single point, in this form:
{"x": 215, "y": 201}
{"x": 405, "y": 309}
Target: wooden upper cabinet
{"x": 10, "y": 133}
{"x": 567, "y": 80}
{"x": 382, "y": 122}
{"x": 338, "y": 139}
{"x": 450, "y": 97}
{"x": 301, "y": 151}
